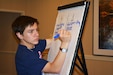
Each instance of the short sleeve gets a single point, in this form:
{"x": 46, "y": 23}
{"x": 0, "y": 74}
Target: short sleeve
{"x": 41, "y": 45}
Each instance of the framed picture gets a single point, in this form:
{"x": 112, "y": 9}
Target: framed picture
{"x": 103, "y": 28}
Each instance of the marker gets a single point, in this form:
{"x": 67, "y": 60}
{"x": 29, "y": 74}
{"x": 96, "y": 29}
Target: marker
{"x": 56, "y": 36}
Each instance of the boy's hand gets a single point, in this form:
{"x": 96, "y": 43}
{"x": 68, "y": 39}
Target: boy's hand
{"x": 65, "y": 37}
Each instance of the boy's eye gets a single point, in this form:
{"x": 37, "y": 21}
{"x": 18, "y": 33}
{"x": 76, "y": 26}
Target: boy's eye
{"x": 30, "y": 31}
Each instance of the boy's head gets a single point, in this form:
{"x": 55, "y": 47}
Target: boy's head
{"x": 22, "y": 22}
{"x": 26, "y": 30}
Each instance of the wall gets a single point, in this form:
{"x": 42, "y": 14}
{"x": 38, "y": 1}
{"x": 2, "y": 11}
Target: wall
{"x": 46, "y": 12}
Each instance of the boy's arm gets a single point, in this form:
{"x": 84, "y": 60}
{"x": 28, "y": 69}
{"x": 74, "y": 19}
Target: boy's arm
{"x": 56, "y": 65}
{"x": 48, "y": 43}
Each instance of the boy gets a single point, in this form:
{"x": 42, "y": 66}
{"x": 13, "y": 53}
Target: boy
{"x": 28, "y": 56}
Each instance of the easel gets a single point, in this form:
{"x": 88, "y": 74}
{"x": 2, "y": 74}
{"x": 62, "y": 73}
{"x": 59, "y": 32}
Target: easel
{"x": 82, "y": 67}
{"x": 78, "y": 47}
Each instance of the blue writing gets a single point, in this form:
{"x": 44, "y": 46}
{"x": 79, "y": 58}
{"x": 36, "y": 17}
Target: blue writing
{"x": 70, "y": 24}
{"x": 59, "y": 26}
{"x": 69, "y": 28}
{"x": 78, "y": 22}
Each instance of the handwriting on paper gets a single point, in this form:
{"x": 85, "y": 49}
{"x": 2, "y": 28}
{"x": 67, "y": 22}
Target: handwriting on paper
{"x": 68, "y": 25}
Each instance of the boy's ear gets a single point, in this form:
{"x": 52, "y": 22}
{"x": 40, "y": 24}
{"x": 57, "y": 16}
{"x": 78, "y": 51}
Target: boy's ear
{"x": 20, "y": 36}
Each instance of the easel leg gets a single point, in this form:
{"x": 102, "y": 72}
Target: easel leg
{"x": 82, "y": 60}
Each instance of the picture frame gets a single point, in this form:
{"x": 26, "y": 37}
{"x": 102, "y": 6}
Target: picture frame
{"x": 103, "y": 29}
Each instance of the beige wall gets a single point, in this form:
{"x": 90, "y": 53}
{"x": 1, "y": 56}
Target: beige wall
{"x": 46, "y": 12}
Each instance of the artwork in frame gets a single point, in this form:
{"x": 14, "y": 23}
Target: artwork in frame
{"x": 103, "y": 28}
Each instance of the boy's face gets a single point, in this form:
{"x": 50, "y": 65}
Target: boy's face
{"x": 30, "y": 35}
